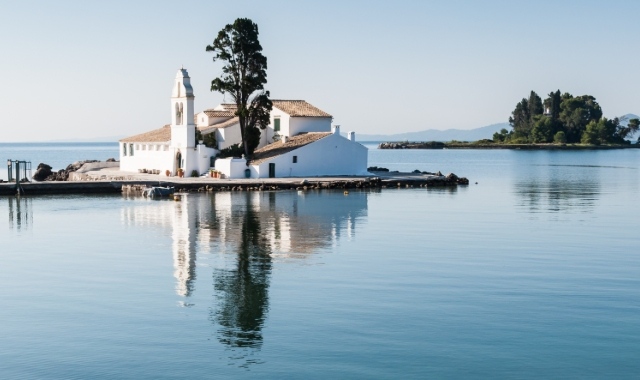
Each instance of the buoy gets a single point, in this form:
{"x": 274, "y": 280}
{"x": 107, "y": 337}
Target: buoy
{"x": 346, "y": 193}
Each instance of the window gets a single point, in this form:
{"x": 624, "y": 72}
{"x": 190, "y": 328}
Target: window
{"x": 295, "y": 159}
{"x": 276, "y": 124}
{"x": 131, "y": 149}
{"x": 124, "y": 149}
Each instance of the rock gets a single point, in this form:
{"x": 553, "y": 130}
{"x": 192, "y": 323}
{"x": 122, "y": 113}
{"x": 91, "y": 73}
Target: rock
{"x": 42, "y": 172}
{"x": 452, "y": 177}
{"x": 439, "y": 174}
{"x": 304, "y": 182}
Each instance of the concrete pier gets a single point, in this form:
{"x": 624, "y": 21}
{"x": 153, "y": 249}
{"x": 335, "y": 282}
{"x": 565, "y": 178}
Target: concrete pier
{"x": 106, "y": 186}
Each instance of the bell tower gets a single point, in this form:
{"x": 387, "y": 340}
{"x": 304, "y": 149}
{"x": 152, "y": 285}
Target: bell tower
{"x": 182, "y": 124}
{"x": 183, "y": 129}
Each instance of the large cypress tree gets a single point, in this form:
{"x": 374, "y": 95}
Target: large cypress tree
{"x": 243, "y": 78}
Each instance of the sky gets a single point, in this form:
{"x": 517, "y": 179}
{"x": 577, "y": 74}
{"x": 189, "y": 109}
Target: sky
{"x": 92, "y": 69}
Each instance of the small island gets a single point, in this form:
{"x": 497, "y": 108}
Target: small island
{"x": 561, "y": 121}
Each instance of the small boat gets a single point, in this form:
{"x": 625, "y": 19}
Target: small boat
{"x": 158, "y": 191}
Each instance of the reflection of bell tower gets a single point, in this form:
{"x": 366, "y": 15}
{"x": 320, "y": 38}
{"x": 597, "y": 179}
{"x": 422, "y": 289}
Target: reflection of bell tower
{"x": 183, "y": 128}
{"x": 184, "y": 246}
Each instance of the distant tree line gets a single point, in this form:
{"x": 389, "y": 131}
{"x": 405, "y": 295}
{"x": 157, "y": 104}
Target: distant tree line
{"x": 564, "y": 118}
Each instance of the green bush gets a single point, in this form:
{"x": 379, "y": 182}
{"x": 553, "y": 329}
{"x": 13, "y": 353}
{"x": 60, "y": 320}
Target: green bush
{"x": 560, "y": 138}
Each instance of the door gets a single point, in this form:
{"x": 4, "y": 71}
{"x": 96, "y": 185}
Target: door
{"x": 272, "y": 170}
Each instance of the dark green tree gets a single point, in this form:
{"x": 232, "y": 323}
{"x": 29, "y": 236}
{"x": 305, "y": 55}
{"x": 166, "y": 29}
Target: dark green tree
{"x": 576, "y": 113}
{"x": 244, "y": 75}
{"x": 520, "y": 117}
{"x": 634, "y": 126}
{"x": 560, "y": 138}
{"x": 542, "y": 131}
{"x": 629, "y": 130}
{"x": 552, "y": 103}
{"x": 535, "y": 106}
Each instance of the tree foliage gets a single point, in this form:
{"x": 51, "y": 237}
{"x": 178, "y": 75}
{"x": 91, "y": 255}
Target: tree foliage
{"x": 243, "y": 78}
{"x": 564, "y": 118}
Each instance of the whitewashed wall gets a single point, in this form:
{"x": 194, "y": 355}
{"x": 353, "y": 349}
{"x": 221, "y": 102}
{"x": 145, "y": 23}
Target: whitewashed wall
{"x": 332, "y": 155}
{"x": 231, "y": 167}
{"x": 204, "y": 158}
{"x": 146, "y": 156}
{"x": 309, "y": 124}
{"x": 228, "y": 136}
{"x": 284, "y": 120}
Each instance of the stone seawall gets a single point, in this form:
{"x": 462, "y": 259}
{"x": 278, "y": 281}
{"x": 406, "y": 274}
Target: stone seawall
{"x": 185, "y": 185}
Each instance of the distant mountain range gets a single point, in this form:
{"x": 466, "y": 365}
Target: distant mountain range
{"x": 440, "y": 135}
{"x": 459, "y": 134}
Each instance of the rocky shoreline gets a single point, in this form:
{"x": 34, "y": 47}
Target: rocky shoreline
{"x": 43, "y": 172}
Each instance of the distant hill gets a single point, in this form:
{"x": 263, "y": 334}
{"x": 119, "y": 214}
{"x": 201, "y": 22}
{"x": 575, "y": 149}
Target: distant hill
{"x": 461, "y": 134}
{"x": 439, "y": 135}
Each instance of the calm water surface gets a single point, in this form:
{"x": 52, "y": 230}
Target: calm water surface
{"x": 533, "y": 272}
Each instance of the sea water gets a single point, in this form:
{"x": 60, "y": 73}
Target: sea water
{"x": 531, "y": 271}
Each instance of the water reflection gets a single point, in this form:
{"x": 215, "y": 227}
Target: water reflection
{"x": 258, "y": 228}
{"x": 242, "y": 290}
{"x": 554, "y": 191}
{"x": 247, "y": 231}
{"x": 20, "y": 212}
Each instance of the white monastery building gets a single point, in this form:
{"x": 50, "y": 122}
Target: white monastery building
{"x": 299, "y": 142}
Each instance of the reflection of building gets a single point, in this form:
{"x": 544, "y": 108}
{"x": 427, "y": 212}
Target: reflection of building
{"x": 250, "y": 229}
{"x": 179, "y": 217}
{"x": 291, "y": 224}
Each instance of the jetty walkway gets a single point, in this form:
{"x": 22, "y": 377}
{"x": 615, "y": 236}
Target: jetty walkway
{"x": 114, "y": 181}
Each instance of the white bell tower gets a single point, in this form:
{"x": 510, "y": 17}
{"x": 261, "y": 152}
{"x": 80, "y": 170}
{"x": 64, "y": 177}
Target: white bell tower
{"x": 183, "y": 127}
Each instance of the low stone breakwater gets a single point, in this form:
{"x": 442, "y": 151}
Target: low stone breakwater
{"x": 104, "y": 187}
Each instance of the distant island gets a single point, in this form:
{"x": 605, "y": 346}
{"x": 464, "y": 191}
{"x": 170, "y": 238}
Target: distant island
{"x": 561, "y": 121}
{"x": 564, "y": 119}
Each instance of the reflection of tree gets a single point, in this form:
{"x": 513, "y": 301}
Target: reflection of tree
{"x": 242, "y": 291}
{"x": 556, "y": 195}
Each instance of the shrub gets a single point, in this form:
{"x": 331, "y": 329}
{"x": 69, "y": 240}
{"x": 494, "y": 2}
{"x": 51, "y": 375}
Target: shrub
{"x": 194, "y": 173}
{"x": 560, "y": 138}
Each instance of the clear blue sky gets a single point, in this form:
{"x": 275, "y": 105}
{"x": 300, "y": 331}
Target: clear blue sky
{"x": 84, "y": 69}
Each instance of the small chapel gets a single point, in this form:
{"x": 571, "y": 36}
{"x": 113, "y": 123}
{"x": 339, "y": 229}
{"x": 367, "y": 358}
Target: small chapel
{"x": 300, "y": 141}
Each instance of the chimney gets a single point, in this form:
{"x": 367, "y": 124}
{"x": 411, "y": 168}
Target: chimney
{"x": 336, "y": 129}
{"x": 352, "y": 136}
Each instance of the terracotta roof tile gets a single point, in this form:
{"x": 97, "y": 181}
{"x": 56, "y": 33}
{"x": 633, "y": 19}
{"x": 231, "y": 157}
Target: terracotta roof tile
{"x": 229, "y": 106}
{"x": 216, "y": 113}
{"x": 278, "y": 148}
{"x": 224, "y": 124}
{"x": 157, "y": 135}
{"x": 299, "y": 108}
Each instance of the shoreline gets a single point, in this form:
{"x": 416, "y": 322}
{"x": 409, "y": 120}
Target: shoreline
{"x": 380, "y": 181}
{"x": 449, "y": 145}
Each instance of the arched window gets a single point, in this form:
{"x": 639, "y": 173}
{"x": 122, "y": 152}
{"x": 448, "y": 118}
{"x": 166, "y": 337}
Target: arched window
{"x": 177, "y": 114}
{"x": 181, "y": 114}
